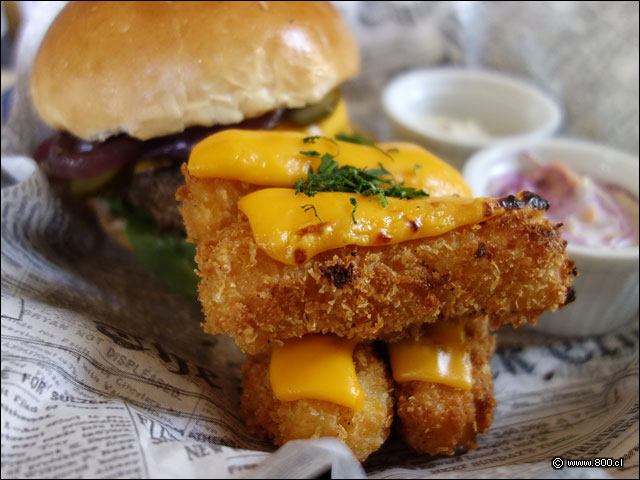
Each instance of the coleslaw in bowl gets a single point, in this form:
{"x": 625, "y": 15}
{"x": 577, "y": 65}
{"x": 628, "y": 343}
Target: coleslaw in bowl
{"x": 593, "y": 192}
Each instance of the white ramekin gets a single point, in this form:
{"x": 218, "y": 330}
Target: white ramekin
{"x": 505, "y": 107}
{"x": 607, "y": 284}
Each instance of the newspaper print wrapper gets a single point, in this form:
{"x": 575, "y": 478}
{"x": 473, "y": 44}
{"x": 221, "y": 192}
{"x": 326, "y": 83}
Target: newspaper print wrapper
{"x": 105, "y": 373}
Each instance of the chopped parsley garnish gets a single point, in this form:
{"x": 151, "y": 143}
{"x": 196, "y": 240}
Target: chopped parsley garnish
{"x": 310, "y": 206}
{"x": 311, "y": 153}
{"x": 330, "y": 177}
{"x": 353, "y": 202}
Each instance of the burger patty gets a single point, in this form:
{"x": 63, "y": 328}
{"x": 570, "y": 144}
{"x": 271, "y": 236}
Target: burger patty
{"x": 154, "y": 191}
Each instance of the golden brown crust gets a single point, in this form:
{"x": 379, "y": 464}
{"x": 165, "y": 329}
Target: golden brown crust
{"x": 154, "y": 68}
{"x": 364, "y": 432}
{"x": 511, "y": 267}
{"x": 438, "y": 419}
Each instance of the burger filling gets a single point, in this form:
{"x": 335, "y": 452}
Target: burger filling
{"x": 138, "y": 180}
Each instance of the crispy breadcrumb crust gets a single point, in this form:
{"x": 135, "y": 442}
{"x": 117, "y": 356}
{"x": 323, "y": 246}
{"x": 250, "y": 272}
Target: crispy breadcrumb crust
{"x": 364, "y": 431}
{"x": 511, "y": 267}
{"x": 438, "y": 419}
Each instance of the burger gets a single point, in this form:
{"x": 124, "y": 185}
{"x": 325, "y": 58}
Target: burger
{"x": 130, "y": 87}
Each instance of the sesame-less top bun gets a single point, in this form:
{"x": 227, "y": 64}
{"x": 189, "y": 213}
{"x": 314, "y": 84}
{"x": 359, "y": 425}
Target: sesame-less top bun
{"x": 154, "y": 68}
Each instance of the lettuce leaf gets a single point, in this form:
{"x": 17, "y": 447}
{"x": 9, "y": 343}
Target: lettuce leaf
{"x": 167, "y": 255}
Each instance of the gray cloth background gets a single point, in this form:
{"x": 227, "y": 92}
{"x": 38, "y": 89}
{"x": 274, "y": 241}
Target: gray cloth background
{"x": 585, "y": 54}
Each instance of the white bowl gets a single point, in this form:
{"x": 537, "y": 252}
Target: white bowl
{"x": 607, "y": 284}
{"x": 439, "y": 108}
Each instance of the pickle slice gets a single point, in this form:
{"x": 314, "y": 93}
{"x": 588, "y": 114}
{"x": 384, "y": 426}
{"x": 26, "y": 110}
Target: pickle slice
{"x": 82, "y": 187}
{"x": 315, "y": 112}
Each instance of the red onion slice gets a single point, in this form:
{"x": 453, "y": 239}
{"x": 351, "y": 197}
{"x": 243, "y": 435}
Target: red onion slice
{"x": 66, "y": 156}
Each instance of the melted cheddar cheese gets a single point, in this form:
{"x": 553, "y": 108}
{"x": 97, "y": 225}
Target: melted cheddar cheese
{"x": 291, "y": 233}
{"x": 293, "y": 228}
{"x": 286, "y": 227}
{"x": 439, "y": 356}
{"x": 316, "y": 367}
{"x": 275, "y": 159}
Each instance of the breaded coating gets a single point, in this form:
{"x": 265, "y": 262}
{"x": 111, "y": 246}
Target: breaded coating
{"x": 512, "y": 267}
{"x": 439, "y": 419}
{"x": 364, "y": 431}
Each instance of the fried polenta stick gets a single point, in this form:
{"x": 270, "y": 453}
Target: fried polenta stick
{"x": 512, "y": 267}
{"x": 363, "y": 431}
{"x": 439, "y": 419}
